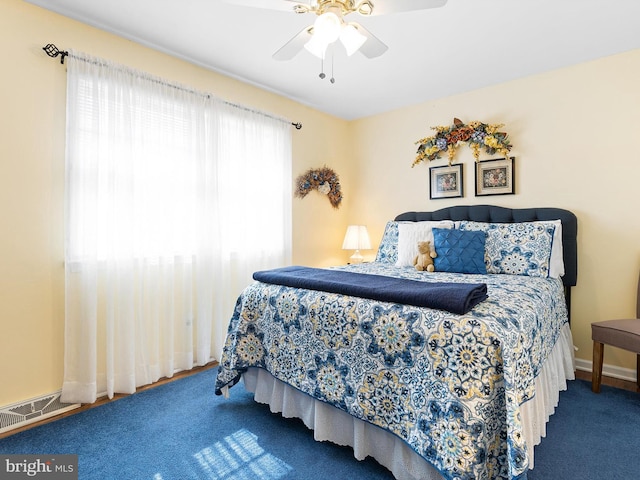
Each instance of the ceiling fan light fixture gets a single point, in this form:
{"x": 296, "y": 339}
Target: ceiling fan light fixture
{"x": 327, "y": 27}
{"x": 352, "y": 39}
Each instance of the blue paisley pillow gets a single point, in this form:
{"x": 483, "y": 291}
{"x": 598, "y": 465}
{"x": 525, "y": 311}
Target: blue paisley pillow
{"x": 459, "y": 251}
{"x": 516, "y": 248}
{"x": 388, "y": 249}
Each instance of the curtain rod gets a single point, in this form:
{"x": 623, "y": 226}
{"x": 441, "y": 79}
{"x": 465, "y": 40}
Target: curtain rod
{"x": 53, "y": 51}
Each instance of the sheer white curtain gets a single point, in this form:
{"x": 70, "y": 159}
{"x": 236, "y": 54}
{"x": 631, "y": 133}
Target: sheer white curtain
{"x": 173, "y": 199}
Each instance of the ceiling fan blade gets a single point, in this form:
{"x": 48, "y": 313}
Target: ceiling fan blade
{"x": 373, "y": 46}
{"x": 282, "y": 5}
{"x": 381, "y": 7}
{"x": 293, "y": 46}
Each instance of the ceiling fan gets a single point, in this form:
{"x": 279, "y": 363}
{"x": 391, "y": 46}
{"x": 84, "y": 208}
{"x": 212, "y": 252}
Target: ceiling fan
{"x": 330, "y": 25}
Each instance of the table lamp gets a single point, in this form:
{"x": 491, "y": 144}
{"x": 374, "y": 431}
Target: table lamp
{"x": 356, "y": 238}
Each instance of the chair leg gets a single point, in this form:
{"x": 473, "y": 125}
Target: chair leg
{"x": 638, "y": 371}
{"x": 596, "y": 372}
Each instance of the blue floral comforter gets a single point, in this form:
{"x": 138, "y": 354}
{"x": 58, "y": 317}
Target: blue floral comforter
{"x": 449, "y": 385}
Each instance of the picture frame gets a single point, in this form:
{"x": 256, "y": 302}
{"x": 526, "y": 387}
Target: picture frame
{"x": 495, "y": 177}
{"x": 446, "y": 182}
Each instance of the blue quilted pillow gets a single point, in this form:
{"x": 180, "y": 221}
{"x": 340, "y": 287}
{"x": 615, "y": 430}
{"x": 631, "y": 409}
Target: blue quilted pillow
{"x": 459, "y": 251}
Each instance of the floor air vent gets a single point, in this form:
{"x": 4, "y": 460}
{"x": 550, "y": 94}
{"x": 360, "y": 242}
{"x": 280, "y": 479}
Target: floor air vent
{"x": 33, "y": 410}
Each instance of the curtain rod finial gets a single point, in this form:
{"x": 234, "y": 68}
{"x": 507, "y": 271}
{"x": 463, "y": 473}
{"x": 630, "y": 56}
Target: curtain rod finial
{"x": 53, "y": 51}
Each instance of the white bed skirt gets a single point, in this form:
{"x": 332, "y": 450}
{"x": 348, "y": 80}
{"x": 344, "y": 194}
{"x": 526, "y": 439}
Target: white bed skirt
{"x": 329, "y": 423}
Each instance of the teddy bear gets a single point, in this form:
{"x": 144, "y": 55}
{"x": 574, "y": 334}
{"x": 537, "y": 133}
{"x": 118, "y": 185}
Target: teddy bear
{"x": 424, "y": 259}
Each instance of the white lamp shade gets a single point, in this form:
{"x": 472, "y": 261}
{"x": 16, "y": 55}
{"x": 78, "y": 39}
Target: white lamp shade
{"x": 316, "y": 47}
{"x": 356, "y": 238}
{"x": 352, "y": 39}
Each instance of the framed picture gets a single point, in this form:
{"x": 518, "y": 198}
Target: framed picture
{"x": 446, "y": 182}
{"x": 495, "y": 177}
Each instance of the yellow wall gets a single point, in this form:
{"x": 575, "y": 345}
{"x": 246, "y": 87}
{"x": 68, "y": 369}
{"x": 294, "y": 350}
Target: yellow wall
{"x": 574, "y": 133}
{"x": 32, "y": 130}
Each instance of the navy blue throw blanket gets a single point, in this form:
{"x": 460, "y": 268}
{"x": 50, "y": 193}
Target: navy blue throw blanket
{"x": 453, "y": 297}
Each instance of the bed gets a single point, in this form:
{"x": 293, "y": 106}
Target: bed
{"x": 452, "y": 391}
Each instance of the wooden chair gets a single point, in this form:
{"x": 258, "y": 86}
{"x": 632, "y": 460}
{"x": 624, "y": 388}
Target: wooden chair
{"x": 623, "y": 333}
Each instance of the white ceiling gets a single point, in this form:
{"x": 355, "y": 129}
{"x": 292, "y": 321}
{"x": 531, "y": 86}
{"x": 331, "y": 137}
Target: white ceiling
{"x": 462, "y": 46}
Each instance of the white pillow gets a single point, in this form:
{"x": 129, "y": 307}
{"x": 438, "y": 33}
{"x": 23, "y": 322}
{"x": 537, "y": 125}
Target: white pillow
{"x": 556, "y": 264}
{"x": 410, "y": 233}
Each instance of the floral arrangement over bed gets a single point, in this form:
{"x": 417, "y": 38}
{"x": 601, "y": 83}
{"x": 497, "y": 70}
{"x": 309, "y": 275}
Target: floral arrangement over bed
{"x": 477, "y": 134}
{"x": 324, "y": 180}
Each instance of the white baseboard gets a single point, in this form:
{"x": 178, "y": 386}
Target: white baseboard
{"x": 608, "y": 370}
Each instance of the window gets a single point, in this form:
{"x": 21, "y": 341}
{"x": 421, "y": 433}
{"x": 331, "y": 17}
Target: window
{"x": 173, "y": 199}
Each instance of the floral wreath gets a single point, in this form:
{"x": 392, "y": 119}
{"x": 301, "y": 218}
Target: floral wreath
{"x": 477, "y": 134}
{"x": 324, "y": 180}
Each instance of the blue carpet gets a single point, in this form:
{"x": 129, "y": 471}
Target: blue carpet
{"x": 181, "y": 431}
{"x": 591, "y": 436}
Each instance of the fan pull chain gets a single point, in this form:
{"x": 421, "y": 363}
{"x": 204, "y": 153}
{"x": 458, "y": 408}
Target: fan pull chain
{"x": 322, "y": 74}
{"x": 332, "y": 79}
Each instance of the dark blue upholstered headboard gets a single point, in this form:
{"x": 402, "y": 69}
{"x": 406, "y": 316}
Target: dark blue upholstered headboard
{"x": 490, "y": 213}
